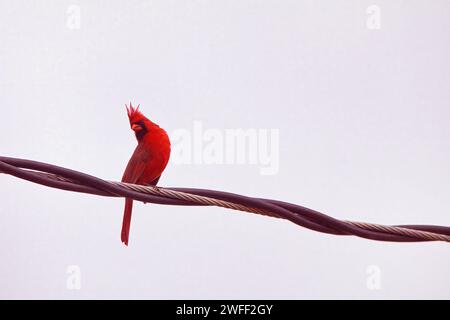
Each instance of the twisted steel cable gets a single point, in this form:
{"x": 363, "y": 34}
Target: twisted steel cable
{"x": 70, "y": 180}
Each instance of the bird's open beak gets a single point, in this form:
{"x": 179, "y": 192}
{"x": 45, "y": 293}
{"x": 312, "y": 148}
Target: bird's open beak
{"x": 136, "y": 127}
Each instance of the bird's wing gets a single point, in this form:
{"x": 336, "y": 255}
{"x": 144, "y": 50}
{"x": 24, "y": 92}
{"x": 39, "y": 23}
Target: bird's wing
{"x": 136, "y": 166}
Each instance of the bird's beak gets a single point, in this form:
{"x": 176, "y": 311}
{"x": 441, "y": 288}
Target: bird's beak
{"x": 136, "y": 127}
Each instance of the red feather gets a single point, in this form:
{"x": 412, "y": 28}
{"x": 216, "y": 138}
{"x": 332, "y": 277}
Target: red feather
{"x": 148, "y": 160}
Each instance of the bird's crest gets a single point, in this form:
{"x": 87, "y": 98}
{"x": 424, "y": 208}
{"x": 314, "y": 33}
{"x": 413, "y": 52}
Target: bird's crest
{"x": 133, "y": 113}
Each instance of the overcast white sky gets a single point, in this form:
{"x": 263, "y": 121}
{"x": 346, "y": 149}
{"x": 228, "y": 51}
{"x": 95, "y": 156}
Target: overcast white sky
{"x": 361, "y": 106}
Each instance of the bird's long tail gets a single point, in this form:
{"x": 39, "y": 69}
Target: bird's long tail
{"x": 126, "y": 221}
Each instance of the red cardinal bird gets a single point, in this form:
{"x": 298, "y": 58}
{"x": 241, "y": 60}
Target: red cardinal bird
{"x": 148, "y": 160}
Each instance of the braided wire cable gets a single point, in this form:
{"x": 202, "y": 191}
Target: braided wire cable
{"x": 70, "y": 180}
